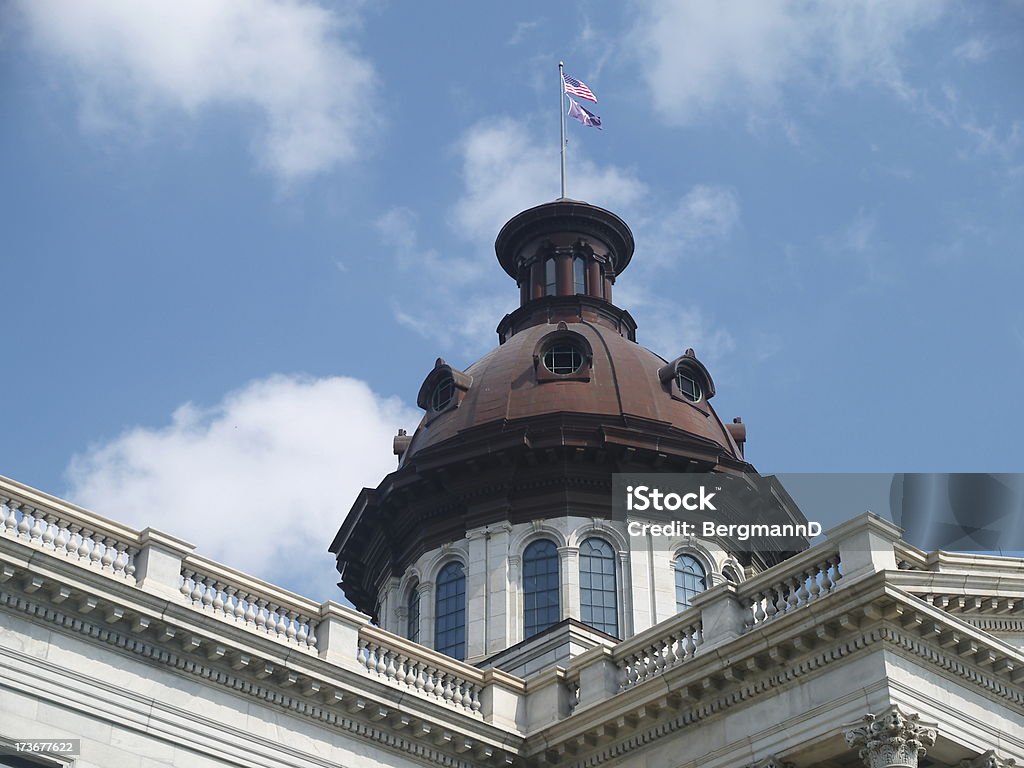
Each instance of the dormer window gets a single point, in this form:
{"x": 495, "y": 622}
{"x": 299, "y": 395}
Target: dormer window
{"x": 686, "y": 379}
{"x": 688, "y": 386}
{"x": 442, "y": 390}
{"x": 443, "y": 393}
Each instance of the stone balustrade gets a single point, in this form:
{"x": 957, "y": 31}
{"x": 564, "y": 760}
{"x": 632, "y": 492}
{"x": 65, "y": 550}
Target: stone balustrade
{"x": 67, "y": 531}
{"x": 420, "y": 669}
{"x": 658, "y": 649}
{"x": 799, "y": 581}
{"x": 258, "y": 606}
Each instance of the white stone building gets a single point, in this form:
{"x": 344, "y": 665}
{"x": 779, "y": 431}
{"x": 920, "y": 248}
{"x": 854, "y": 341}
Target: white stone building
{"x": 508, "y": 619}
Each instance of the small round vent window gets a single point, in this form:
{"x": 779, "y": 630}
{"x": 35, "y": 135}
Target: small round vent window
{"x": 443, "y": 394}
{"x": 563, "y": 358}
{"x": 688, "y": 387}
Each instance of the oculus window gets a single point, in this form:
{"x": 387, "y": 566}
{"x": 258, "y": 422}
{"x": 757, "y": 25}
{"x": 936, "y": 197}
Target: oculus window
{"x": 563, "y": 358}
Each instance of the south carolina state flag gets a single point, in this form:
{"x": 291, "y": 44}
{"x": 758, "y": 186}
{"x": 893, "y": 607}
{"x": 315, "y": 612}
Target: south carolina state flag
{"x": 579, "y": 113}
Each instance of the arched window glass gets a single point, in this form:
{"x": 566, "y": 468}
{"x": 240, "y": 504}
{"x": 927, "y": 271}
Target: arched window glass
{"x": 598, "y": 599}
{"x": 450, "y": 608}
{"x": 412, "y": 630}
{"x": 579, "y": 269}
{"x": 550, "y": 282}
{"x": 540, "y": 587}
{"x": 690, "y": 580}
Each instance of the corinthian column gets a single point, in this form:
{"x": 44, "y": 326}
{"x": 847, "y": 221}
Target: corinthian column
{"x": 890, "y": 739}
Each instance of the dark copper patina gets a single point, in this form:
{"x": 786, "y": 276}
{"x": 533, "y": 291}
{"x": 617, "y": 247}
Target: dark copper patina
{"x": 517, "y": 443}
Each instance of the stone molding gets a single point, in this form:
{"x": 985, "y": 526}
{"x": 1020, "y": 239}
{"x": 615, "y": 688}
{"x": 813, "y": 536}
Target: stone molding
{"x": 771, "y": 762}
{"x": 988, "y": 760}
{"x": 891, "y": 739}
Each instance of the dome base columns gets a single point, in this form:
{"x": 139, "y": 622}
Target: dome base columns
{"x": 891, "y": 739}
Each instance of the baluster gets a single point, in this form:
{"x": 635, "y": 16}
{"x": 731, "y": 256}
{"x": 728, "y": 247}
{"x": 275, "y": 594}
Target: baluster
{"x": 83, "y": 544}
{"x": 120, "y": 558}
{"x": 815, "y": 588}
{"x": 467, "y": 699}
{"x": 381, "y": 654}
{"x": 363, "y": 654}
{"x": 261, "y": 619}
{"x": 474, "y": 701}
{"x": 129, "y": 567}
{"x": 303, "y": 633}
{"x": 311, "y": 636}
{"x": 802, "y": 594}
{"x": 60, "y": 541}
{"x": 449, "y": 689}
{"x": 826, "y": 582}
{"x": 691, "y": 643}
{"x": 96, "y": 553}
{"x": 107, "y": 561}
{"x": 26, "y": 521}
{"x": 48, "y": 531}
{"x": 233, "y": 603}
{"x": 8, "y": 515}
{"x": 35, "y": 534}
{"x": 390, "y": 670}
{"x": 290, "y": 631}
{"x": 197, "y": 589}
{"x": 250, "y": 609}
{"x": 429, "y": 681}
{"x": 218, "y": 596}
{"x": 837, "y": 563}
{"x": 186, "y": 588}
{"x": 420, "y": 681}
{"x": 281, "y": 625}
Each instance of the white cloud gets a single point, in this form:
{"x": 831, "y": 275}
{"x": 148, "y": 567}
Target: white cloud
{"x": 974, "y": 49}
{"x": 700, "y": 57}
{"x": 260, "y": 481}
{"x": 291, "y": 62}
{"x": 705, "y": 215}
{"x": 669, "y": 328}
{"x": 506, "y": 169}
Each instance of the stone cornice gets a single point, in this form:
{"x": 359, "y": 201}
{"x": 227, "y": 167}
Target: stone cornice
{"x": 869, "y": 613}
{"x": 180, "y": 638}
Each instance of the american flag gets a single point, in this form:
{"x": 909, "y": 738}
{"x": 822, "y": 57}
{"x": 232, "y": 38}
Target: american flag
{"x": 578, "y": 88}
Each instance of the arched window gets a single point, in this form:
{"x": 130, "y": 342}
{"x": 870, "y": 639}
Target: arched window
{"x": 598, "y": 599}
{"x": 730, "y": 574}
{"x": 540, "y": 587}
{"x": 690, "y": 580}
{"x": 579, "y": 270}
{"x": 450, "y": 612}
{"x": 550, "y": 282}
{"x": 412, "y": 628}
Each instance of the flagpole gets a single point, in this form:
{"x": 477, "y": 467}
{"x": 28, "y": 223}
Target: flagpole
{"x": 561, "y": 114}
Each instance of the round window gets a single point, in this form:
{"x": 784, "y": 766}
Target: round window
{"x": 688, "y": 386}
{"x": 563, "y": 358}
{"x": 443, "y": 394}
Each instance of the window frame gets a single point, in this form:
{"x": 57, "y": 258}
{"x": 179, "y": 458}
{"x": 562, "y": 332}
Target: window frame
{"x": 681, "y": 574}
{"x": 551, "y": 590}
{"x": 610, "y": 599}
{"x": 456, "y": 649}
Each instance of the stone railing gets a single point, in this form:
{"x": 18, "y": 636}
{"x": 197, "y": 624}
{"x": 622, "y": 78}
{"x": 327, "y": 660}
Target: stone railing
{"x": 67, "y": 531}
{"x": 658, "y": 649}
{"x": 412, "y": 666}
{"x": 254, "y": 604}
{"x": 799, "y": 581}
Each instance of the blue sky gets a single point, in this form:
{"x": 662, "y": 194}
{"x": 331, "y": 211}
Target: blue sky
{"x": 236, "y": 236}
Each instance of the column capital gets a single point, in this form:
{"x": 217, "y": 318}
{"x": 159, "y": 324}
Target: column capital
{"x": 891, "y": 739}
{"x": 988, "y": 760}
